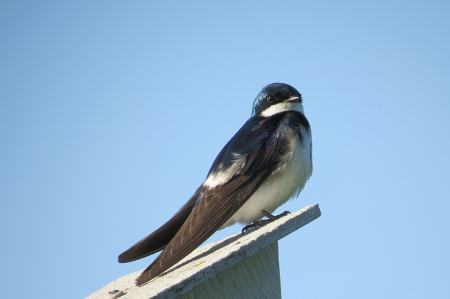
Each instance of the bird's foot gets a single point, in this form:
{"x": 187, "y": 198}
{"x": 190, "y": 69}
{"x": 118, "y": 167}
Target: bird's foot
{"x": 259, "y": 223}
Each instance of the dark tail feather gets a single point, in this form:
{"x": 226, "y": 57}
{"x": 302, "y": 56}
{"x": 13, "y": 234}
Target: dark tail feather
{"x": 158, "y": 240}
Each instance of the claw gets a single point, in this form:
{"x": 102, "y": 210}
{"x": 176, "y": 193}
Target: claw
{"x": 259, "y": 223}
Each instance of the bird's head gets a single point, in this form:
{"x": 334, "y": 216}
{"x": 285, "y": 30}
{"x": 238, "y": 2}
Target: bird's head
{"x": 275, "y": 98}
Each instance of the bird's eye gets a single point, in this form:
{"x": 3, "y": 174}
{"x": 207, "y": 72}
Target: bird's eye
{"x": 270, "y": 98}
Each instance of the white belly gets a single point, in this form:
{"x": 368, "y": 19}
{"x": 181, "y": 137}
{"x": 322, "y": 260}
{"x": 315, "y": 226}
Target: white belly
{"x": 280, "y": 186}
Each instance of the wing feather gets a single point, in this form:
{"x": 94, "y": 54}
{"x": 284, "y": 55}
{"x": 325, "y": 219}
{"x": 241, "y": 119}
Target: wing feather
{"x": 158, "y": 240}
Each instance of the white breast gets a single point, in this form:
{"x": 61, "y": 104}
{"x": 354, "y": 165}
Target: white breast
{"x": 285, "y": 183}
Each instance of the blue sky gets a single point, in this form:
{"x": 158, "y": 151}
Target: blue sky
{"x": 111, "y": 114}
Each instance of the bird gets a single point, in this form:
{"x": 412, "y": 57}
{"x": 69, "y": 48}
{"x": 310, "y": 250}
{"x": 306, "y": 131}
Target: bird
{"x": 266, "y": 163}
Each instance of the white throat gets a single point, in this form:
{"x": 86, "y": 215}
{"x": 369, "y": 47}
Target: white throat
{"x": 281, "y": 107}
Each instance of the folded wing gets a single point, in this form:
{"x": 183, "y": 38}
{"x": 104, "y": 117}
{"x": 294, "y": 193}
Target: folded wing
{"x": 159, "y": 239}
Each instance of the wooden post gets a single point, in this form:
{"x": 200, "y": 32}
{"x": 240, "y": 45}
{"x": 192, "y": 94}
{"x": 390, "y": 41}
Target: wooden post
{"x": 240, "y": 266}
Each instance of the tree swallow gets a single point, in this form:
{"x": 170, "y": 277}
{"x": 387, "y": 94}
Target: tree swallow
{"x": 265, "y": 164}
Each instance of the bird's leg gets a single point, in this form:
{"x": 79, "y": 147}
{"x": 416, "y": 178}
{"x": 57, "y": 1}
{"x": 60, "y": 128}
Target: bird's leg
{"x": 273, "y": 218}
{"x": 259, "y": 223}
